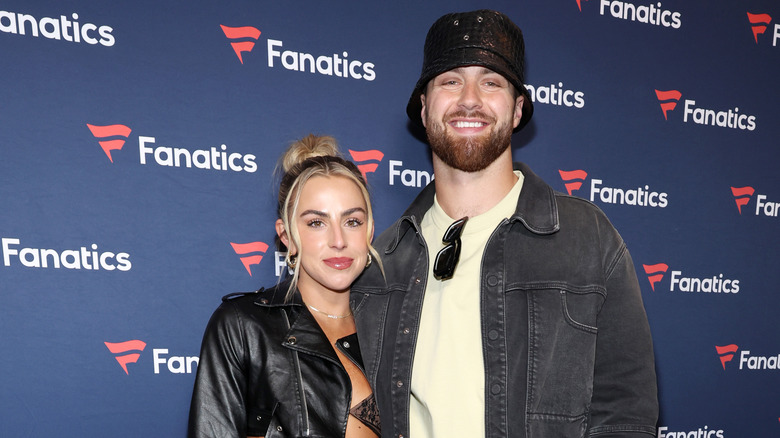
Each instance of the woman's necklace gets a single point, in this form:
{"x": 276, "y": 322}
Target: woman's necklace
{"x": 328, "y": 314}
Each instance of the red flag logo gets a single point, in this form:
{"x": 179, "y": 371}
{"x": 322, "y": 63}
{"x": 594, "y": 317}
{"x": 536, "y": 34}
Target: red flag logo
{"x": 243, "y": 34}
{"x": 655, "y": 273}
{"x": 107, "y": 132}
{"x": 249, "y": 252}
{"x": 668, "y": 100}
{"x": 726, "y": 353}
{"x": 758, "y": 22}
{"x": 360, "y": 157}
{"x": 572, "y": 179}
{"x": 742, "y": 196}
{"x": 120, "y": 348}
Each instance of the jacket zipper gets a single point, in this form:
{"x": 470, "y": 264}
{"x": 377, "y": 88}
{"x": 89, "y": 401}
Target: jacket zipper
{"x": 305, "y": 413}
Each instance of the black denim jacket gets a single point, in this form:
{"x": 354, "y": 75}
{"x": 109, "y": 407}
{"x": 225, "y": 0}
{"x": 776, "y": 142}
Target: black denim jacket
{"x": 267, "y": 369}
{"x": 566, "y": 342}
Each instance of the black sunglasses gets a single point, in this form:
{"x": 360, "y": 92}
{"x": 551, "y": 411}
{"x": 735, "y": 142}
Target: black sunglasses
{"x": 447, "y": 258}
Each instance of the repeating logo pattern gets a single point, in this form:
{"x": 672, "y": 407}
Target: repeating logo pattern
{"x": 668, "y": 100}
{"x": 247, "y": 35}
{"x": 573, "y": 179}
{"x": 367, "y": 161}
{"x": 116, "y": 133}
{"x": 726, "y": 353}
{"x": 125, "y": 352}
{"x": 759, "y": 23}
{"x": 742, "y": 196}
{"x": 655, "y": 273}
{"x": 251, "y": 253}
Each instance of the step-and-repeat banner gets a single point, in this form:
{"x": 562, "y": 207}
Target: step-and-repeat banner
{"x": 138, "y": 145}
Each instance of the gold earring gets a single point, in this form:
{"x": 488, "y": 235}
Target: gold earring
{"x": 292, "y": 261}
{"x": 368, "y": 261}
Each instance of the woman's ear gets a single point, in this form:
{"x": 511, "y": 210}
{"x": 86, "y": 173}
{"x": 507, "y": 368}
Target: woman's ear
{"x": 282, "y": 233}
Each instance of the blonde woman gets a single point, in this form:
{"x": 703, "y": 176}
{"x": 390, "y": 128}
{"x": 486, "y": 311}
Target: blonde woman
{"x": 285, "y": 361}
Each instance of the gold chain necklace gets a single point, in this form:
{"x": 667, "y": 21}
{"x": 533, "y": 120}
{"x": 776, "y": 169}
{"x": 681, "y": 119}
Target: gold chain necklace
{"x": 328, "y": 314}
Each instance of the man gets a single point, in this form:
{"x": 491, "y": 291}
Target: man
{"x": 526, "y": 318}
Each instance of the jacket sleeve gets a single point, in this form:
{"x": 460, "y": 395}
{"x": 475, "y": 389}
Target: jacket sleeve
{"x": 218, "y": 400}
{"x": 625, "y": 399}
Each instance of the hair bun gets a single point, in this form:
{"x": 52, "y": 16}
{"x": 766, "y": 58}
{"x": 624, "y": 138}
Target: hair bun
{"x": 308, "y": 147}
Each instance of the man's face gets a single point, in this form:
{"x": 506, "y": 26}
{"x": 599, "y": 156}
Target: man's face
{"x": 469, "y": 114}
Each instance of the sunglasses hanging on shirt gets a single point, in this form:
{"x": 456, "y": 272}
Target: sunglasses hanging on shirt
{"x": 448, "y": 257}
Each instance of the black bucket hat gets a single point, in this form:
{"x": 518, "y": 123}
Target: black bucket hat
{"x": 484, "y": 37}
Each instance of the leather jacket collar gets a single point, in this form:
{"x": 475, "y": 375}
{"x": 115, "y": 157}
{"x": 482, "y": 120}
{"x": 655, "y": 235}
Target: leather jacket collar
{"x": 304, "y": 334}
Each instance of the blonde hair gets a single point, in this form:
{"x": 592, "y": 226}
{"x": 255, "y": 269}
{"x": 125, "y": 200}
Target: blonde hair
{"x": 308, "y": 157}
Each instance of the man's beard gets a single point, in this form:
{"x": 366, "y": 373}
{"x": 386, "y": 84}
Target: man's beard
{"x": 468, "y": 154}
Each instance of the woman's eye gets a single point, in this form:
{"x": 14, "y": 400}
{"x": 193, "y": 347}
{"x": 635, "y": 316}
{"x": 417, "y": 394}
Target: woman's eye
{"x": 354, "y": 222}
{"x": 315, "y": 223}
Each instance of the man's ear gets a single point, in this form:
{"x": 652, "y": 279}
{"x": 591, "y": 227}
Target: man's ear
{"x": 518, "y": 110}
{"x": 422, "y": 110}
{"x": 282, "y": 233}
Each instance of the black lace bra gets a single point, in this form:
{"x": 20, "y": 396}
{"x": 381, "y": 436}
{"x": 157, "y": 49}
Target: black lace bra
{"x": 367, "y": 413}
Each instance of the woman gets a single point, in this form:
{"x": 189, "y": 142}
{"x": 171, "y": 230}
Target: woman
{"x": 285, "y": 361}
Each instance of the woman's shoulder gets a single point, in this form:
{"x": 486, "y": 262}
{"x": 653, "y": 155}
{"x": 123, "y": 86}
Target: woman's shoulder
{"x": 253, "y": 306}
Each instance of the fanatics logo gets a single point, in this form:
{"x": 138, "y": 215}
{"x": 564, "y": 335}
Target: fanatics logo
{"x": 56, "y": 28}
{"x": 579, "y": 4}
{"x": 244, "y": 34}
{"x": 360, "y": 157}
{"x": 759, "y": 23}
{"x": 742, "y": 196}
{"x": 250, "y": 251}
{"x": 679, "y": 281}
{"x": 639, "y": 196}
{"x": 120, "y": 348}
{"x": 110, "y": 133}
{"x": 726, "y": 353}
{"x": 655, "y": 273}
{"x": 668, "y": 100}
{"x": 573, "y": 179}
{"x": 724, "y": 118}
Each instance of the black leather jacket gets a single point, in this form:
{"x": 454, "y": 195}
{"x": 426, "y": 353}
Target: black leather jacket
{"x": 266, "y": 368}
{"x": 565, "y": 339}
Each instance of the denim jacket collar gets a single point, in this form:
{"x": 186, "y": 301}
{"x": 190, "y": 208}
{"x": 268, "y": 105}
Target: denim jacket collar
{"x": 536, "y": 208}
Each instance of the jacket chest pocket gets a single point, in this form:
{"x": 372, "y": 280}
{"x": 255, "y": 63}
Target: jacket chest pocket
{"x": 563, "y": 330}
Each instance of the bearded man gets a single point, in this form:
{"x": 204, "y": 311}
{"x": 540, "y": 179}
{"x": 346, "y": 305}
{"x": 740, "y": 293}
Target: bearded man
{"x": 505, "y": 309}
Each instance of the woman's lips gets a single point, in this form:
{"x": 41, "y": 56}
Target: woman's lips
{"x": 339, "y": 262}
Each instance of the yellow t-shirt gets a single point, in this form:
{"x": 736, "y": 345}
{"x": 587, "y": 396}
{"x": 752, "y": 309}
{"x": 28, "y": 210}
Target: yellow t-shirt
{"x": 448, "y": 373}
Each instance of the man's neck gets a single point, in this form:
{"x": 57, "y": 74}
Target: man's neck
{"x": 473, "y": 193}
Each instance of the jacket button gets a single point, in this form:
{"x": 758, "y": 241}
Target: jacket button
{"x": 493, "y": 335}
{"x": 406, "y": 331}
{"x": 345, "y": 344}
{"x": 259, "y": 418}
{"x": 399, "y": 383}
{"x": 279, "y": 428}
{"x": 291, "y": 340}
{"x": 495, "y": 389}
{"x": 417, "y": 280}
{"x": 264, "y": 300}
{"x": 492, "y": 280}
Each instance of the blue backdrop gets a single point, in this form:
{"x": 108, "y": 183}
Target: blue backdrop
{"x": 139, "y": 141}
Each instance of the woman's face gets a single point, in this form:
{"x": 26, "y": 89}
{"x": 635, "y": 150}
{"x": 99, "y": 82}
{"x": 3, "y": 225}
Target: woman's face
{"x": 331, "y": 219}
